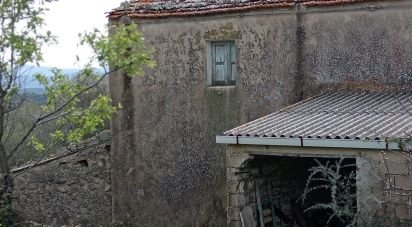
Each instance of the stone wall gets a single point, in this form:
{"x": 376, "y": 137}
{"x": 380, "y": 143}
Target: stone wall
{"x": 167, "y": 169}
{"x": 72, "y": 189}
{"x": 390, "y": 181}
{"x": 364, "y": 47}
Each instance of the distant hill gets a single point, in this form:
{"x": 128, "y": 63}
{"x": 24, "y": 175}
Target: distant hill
{"x": 32, "y": 90}
{"x": 32, "y": 70}
{"x": 35, "y": 95}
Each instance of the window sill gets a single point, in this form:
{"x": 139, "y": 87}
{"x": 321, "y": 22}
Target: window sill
{"x": 221, "y": 87}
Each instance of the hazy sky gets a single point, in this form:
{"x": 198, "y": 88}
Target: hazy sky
{"x": 66, "y": 19}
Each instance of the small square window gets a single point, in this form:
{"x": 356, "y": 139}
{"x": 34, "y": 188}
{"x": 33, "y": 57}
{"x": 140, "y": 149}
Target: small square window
{"x": 223, "y": 63}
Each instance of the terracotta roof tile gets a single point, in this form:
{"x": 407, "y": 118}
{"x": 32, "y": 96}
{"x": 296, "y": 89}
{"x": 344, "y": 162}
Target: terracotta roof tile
{"x": 169, "y": 8}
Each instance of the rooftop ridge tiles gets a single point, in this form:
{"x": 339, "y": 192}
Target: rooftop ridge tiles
{"x": 168, "y": 8}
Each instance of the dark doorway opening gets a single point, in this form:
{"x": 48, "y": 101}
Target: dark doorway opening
{"x": 304, "y": 191}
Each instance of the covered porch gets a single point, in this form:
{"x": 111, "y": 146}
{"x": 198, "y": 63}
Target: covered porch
{"x": 332, "y": 160}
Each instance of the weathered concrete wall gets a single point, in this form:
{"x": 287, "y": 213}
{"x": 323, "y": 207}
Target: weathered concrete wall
{"x": 71, "y": 190}
{"x": 167, "y": 169}
{"x": 365, "y": 46}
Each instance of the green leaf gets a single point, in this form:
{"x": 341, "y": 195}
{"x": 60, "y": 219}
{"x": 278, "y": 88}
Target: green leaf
{"x": 38, "y": 146}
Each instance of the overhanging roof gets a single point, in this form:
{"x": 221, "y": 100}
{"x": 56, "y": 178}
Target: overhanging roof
{"x": 351, "y": 120}
{"x": 170, "y": 8}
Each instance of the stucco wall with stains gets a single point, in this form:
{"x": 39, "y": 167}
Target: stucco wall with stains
{"x": 167, "y": 169}
{"x": 366, "y": 48}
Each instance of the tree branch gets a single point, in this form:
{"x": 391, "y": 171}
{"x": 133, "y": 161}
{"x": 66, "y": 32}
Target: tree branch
{"x": 57, "y": 110}
{"x": 38, "y": 161}
{"x": 52, "y": 118}
{"x": 12, "y": 108}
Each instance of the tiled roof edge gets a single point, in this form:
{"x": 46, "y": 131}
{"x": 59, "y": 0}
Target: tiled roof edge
{"x": 194, "y": 12}
{"x": 228, "y": 8}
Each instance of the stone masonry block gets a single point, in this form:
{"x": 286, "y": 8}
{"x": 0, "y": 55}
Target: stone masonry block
{"x": 232, "y": 186}
{"x": 395, "y": 167}
{"x": 232, "y": 223}
{"x": 403, "y": 211}
{"x": 238, "y": 160}
{"x": 397, "y": 198}
{"x": 389, "y": 210}
{"x": 403, "y": 182}
{"x": 233, "y": 213}
{"x": 233, "y": 200}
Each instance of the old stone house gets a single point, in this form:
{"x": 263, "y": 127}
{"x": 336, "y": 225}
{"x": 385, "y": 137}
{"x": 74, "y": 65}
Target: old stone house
{"x": 222, "y": 63}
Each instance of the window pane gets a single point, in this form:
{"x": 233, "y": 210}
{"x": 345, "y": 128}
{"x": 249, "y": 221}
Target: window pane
{"x": 220, "y": 64}
{"x": 233, "y": 76}
{"x": 220, "y": 72}
{"x": 220, "y": 53}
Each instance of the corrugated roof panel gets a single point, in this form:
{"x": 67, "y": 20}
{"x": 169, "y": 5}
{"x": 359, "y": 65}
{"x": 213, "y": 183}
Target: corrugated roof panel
{"x": 365, "y": 116}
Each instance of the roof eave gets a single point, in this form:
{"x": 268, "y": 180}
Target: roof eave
{"x": 187, "y": 12}
{"x": 303, "y": 142}
{"x": 192, "y": 13}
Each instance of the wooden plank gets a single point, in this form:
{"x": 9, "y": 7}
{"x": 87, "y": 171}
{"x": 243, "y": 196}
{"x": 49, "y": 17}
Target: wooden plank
{"x": 259, "y": 203}
{"x": 220, "y": 62}
{"x": 272, "y": 206}
{"x": 246, "y": 217}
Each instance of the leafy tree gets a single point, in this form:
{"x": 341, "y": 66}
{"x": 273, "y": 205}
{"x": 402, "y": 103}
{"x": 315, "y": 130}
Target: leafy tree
{"x": 21, "y": 42}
